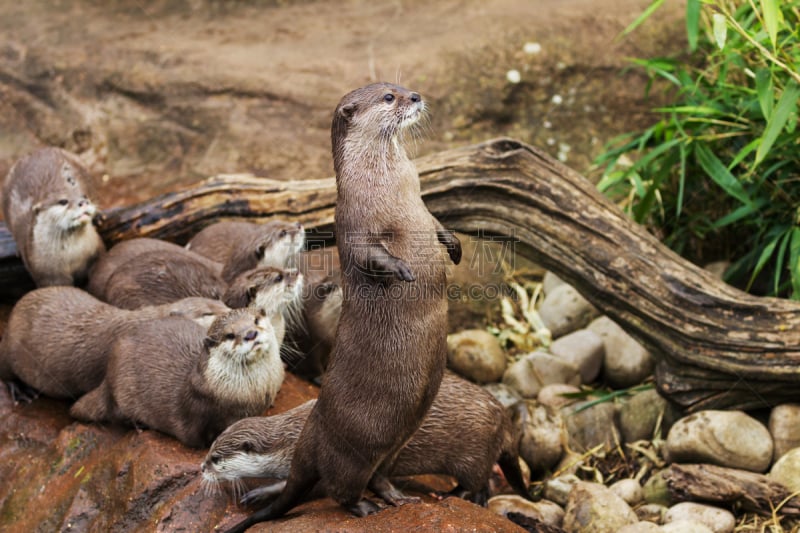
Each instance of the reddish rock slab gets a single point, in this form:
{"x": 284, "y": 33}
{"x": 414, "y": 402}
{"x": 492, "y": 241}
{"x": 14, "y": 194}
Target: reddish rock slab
{"x": 57, "y": 474}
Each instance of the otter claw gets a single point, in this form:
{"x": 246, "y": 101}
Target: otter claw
{"x": 403, "y": 272}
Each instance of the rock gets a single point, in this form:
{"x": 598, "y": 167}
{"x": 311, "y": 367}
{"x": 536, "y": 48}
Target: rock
{"x": 640, "y": 527}
{"x": 786, "y": 470}
{"x": 685, "y": 526}
{"x": 726, "y": 438}
{"x": 717, "y": 268}
{"x": 640, "y": 414}
{"x": 541, "y": 444}
{"x": 651, "y": 512}
{"x": 550, "y": 281}
{"x": 536, "y": 370}
{"x": 543, "y": 511}
{"x": 503, "y": 393}
{"x": 716, "y": 519}
{"x": 592, "y": 426}
{"x": 593, "y": 508}
{"x": 784, "y": 426}
{"x": 656, "y": 491}
{"x": 557, "y": 489}
{"x": 627, "y": 362}
{"x": 476, "y": 355}
{"x": 629, "y": 490}
{"x": 564, "y": 310}
{"x": 584, "y": 349}
{"x": 552, "y": 396}
{"x": 75, "y": 477}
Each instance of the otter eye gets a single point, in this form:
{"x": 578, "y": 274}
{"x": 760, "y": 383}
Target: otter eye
{"x": 278, "y": 278}
{"x": 63, "y": 201}
{"x": 247, "y": 447}
{"x": 283, "y": 233}
{"x": 230, "y": 336}
{"x": 388, "y": 97}
{"x": 215, "y": 459}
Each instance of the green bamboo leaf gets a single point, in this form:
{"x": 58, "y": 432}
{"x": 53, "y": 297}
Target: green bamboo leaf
{"x": 779, "y": 264}
{"x": 647, "y": 12}
{"x": 692, "y": 22}
{"x": 738, "y": 214}
{"x": 794, "y": 262}
{"x": 766, "y": 253}
{"x": 681, "y": 180}
{"x": 766, "y": 98}
{"x": 787, "y": 105}
{"x": 691, "y": 110}
{"x": 772, "y": 18}
{"x": 744, "y": 152}
{"x": 715, "y": 170}
{"x": 720, "y": 29}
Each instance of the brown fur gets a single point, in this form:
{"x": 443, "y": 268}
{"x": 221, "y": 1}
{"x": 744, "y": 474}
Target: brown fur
{"x": 48, "y": 212}
{"x": 173, "y": 376}
{"x": 116, "y": 271}
{"x": 58, "y": 338}
{"x": 242, "y": 246}
{"x": 464, "y": 433}
{"x": 390, "y": 350}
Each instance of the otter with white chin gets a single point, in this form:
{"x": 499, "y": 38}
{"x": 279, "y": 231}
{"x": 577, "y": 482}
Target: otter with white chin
{"x": 464, "y": 433}
{"x": 57, "y": 339}
{"x": 391, "y": 344}
{"x": 174, "y": 376}
{"x": 50, "y": 216}
{"x": 241, "y": 245}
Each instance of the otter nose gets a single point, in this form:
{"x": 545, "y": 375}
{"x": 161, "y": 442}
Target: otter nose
{"x": 251, "y": 335}
{"x": 83, "y": 203}
{"x": 415, "y": 97}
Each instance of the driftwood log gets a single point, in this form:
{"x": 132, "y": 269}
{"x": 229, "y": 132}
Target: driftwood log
{"x": 715, "y": 484}
{"x": 716, "y": 346}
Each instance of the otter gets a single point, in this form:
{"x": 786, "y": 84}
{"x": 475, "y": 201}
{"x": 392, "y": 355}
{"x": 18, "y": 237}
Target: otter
{"x": 114, "y": 272}
{"x": 390, "y": 349}
{"x": 271, "y": 291}
{"x": 173, "y": 376}
{"x": 50, "y": 216}
{"x": 58, "y": 339}
{"x": 464, "y": 433}
{"x": 241, "y": 245}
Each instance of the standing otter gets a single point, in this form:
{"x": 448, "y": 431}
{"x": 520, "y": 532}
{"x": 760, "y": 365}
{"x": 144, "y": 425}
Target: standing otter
{"x": 465, "y": 431}
{"x": 174, "y": 376}
{"x": 58, "y": 338}
{"x": 50, "y": 217}
{"x": 391, "y": 343}
{"x": 241, "y": 246}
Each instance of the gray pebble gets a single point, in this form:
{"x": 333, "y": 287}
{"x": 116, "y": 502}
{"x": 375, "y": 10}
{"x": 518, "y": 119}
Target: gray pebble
{"x": 564, "y": 310}
{"x": 784, "y": 426}
{"x": 536, "y": 370}
{"x": 593, "y": 508}
{"x": 726, "y": 438}
{"x": 627, "y": 362}
{"x": 786, "y": 470}
{"x": 716, "y": 519}
{"x": 584, "y": 349}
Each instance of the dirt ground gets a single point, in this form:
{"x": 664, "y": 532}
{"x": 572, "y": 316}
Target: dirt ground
{"x": 157, "y": 95}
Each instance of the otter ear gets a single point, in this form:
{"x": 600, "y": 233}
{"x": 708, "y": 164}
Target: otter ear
{"x": 209, "y": 343}
{"x": 36, "y": 208}
{"x": 347, "y": 110}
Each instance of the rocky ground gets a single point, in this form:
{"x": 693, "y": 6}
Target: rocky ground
{"x": 157, "y": 96}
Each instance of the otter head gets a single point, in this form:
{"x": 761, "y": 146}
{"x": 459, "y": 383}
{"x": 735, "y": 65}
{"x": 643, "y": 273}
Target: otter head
{"x": 202, "y": 310}
{"x": 244, "y": 364}
{"x": 279, "y": 243}
{"x": 256, "y": 447}
{"x": 373, "y": 116}
{"x": 267, "y": 290}
{"x": 66, "y": 212}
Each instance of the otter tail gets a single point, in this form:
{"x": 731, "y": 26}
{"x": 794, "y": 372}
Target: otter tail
{"x": 509, "y": 464}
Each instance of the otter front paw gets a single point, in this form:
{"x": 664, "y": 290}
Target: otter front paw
{"x": 452, "y": 244}
{"x": 402, "y": 272}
